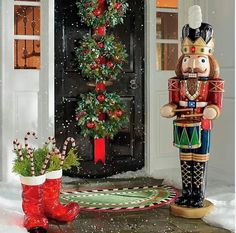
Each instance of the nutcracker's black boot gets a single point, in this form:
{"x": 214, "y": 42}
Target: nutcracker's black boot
{"x": 199, "y": 184}
{"x": 186, "y": 172}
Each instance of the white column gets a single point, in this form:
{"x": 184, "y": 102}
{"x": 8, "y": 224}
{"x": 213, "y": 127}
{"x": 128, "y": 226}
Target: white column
{"x": 46, "y": 76}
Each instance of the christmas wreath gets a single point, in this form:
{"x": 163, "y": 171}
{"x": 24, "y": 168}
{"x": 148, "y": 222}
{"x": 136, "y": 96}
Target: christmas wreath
{"x": 102, "y": 12}
{"x": 100, "y": 114}
{"x": 100, "y": 59}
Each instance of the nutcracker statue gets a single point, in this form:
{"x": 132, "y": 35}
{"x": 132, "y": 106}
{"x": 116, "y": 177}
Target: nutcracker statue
{"x": 195, "y": 98}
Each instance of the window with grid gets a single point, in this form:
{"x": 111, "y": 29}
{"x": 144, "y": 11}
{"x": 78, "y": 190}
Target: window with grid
{"x": 166, "y": 34}
{"x": 27, "y": 34}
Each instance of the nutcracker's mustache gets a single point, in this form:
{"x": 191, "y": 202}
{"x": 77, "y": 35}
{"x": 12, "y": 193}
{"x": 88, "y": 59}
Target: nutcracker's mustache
{"x": 195, "y": 70}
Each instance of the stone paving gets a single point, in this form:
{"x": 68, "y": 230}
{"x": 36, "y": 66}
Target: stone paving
{"x": 154, "y": 220}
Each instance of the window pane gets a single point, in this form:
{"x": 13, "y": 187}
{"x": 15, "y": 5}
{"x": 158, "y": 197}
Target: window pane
{"x": 167, "y": 3}
{"x": 167, "y": 25}
{"x": 27, "y": 54}
{"x": 166, "y": 56}
{"x": 27, "y": 20}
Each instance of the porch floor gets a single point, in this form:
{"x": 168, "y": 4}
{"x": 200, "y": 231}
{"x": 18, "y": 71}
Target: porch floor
{"x": 154, "y": 220}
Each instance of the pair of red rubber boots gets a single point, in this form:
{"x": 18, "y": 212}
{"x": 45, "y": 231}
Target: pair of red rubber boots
{"x": 40, "y": 202}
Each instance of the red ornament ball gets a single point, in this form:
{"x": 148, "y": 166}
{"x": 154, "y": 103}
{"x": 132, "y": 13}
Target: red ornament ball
{"x": 101, "y": 116}
{"x": 100, "y": 45}
{"x": 97, "y": 12}
{"x": 100, "y": 30}
{"x": 110, "y": 64}
{"x": 94, "y": 66}
{"x": 90, "y": 124}
{"x": 118, "y": 113}
{"x": 117, "y": 6}
{"x": 101, "y": 98}
{"x": 101, "y": 60}
{"x": 100, "y": 87}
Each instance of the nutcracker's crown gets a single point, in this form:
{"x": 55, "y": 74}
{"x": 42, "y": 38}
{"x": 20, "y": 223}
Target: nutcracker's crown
{"x": 197, "y": 36}
{"x": 198, "y": 47}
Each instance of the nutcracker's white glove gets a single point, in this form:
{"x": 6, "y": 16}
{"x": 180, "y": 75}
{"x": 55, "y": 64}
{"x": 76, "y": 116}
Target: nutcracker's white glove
{"x": 211, "y": 112}
{"x": 168, "y": 110}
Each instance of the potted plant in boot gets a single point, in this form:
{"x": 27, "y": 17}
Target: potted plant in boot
{"x": 59, "y": 161}
{"x": 31, "y": 165}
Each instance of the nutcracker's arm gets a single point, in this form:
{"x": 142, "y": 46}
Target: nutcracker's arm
{"x": 215, "y": 99}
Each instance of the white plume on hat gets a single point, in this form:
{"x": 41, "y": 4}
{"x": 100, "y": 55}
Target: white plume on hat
{"x": 194, "y": 16}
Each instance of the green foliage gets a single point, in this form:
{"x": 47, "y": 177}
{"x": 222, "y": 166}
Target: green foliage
{"x": 110, "y": 17}
{"x": 23, "y": 167}
{"x": 89, "y": 109}
{"x": 93, "y": 61}
{"x": 71, "y": 160}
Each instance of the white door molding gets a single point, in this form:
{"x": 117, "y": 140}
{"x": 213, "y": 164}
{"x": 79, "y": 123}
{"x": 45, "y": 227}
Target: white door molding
{"x": 27, "y": 100}
{"x": 46, "y": 76}
{"x": 159, "y": 152}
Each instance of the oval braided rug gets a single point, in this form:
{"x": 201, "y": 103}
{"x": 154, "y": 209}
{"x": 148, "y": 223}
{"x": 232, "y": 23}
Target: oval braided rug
{"x": 123, "y": 199}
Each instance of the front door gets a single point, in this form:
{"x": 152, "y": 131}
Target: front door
{"x": 126, "y": 151}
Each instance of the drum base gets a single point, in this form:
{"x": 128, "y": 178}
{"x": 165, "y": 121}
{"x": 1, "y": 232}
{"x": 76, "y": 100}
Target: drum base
{"x": 188, "y": 212}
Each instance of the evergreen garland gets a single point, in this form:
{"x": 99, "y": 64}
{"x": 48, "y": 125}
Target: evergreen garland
{"x": 100, "y": 119}
{"x": 93, "y": 16}
{"x": 100, "y": 59}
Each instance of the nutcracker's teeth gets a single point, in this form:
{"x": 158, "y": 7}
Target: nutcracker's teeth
{"x": 192, "y": 75}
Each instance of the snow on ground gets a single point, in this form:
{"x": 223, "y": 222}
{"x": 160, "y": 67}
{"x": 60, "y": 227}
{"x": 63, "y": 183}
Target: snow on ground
{"x": 222, "y": 195}
{"x": 11, "y": 215}
{"x": 130, "y": 174}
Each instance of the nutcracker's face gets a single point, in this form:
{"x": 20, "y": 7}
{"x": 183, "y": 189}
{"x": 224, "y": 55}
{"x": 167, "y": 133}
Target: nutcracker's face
{"x": 194, "y": 66}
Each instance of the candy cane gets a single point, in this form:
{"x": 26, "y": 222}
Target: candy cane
{"x": 72, "y": 140}
{"x": 52, "y": 141}
{"x": 45, "y": 163}
{"x": 32, "y": 163}
{"x": 57, "y": 152}
{"x": 18, "y": 147}
{"x": 29, "y": 150}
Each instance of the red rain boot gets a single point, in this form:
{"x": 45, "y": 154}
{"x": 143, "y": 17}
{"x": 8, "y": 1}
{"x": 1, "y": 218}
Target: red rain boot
{"x": 52, "y": 207}
{"x": 32, "y": 204}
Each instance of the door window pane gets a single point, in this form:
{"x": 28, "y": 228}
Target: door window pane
{"x": 27, "y": 20}
{"x": 166, "y": 56}
{"x": 27, "y": 54}
{"x": 167, "y": 3}
{"x": 167, "y": 25}
{"x": 27, "y": 35}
